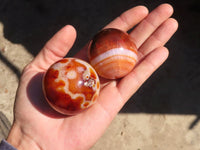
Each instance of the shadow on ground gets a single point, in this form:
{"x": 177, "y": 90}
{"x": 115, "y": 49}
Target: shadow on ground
{"x": 173, "y": 89}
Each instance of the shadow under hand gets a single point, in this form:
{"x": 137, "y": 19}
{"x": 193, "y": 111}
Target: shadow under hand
{"x": 37, "y": 98}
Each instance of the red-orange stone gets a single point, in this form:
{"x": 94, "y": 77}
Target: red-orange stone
{"x": 71, "y": 86}
{"x": 112, "y": 53}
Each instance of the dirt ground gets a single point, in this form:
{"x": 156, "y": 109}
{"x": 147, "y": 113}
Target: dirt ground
{"x": 164, "y": 114}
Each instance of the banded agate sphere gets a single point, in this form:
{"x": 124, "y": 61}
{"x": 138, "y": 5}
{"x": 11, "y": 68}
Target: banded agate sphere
{"x": 71, "y": 86}
{"x": 112, "y": 53}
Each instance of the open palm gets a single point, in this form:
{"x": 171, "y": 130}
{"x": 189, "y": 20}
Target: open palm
{"x": 37, "y": 126}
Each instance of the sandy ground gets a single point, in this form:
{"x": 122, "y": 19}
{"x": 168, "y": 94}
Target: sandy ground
{"x": 164, "y": 114}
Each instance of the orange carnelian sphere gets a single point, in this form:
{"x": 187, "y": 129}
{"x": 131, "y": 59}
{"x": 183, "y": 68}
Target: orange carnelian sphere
{"x": 112, "y": 53}
{"x": 70, "y": 86}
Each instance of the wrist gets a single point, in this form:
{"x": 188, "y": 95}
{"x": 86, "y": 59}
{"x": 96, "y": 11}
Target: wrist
{"x": 21, "y": 141}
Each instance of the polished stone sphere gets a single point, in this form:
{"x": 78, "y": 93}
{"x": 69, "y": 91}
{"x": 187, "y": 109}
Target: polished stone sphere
{"x": 71, "y": 86}
{"x": 112, "y": 53}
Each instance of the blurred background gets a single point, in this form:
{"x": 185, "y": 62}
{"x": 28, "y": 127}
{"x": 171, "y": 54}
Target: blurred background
{"x": 165, "y": 111}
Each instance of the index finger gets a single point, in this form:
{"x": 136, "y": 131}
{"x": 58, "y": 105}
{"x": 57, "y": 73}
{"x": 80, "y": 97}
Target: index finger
{"x": 129, "y": 18}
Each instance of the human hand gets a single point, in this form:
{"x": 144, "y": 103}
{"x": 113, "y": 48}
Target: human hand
{"x": 37, "y": 126}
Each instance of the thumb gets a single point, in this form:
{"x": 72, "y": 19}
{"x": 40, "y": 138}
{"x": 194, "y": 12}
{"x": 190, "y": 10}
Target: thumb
{"x": 56, "y": 48}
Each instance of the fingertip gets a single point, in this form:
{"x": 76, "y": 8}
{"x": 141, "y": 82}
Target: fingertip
{"x": 162, "y": 53}
{"x": 70, "y": 28}
{"x": 128, "y": 19}
{"x": 61, "y": 39}
{"x": 143, "y": 9}
{"x": 167, "y": 7}
{"x": 165, "y": 52}
{"x": 56, "y": 48}
{"x": 174, "y": 23}
{"x": 70, "y": 31}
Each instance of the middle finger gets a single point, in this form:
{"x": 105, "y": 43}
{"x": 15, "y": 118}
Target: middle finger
{"x": 151, "y": 23}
